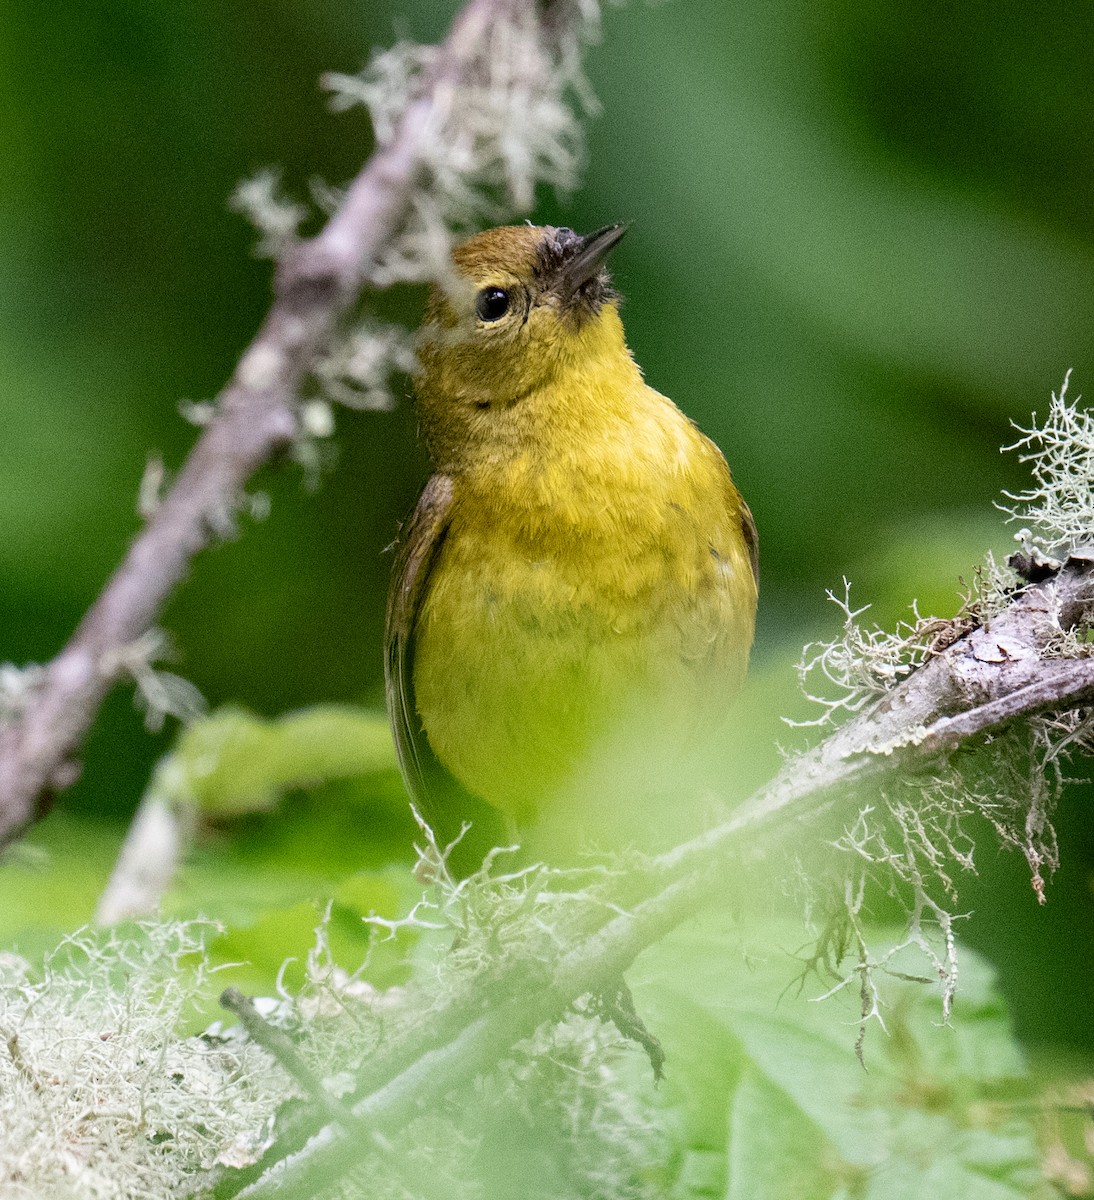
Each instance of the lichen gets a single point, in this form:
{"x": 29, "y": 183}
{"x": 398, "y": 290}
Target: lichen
{"x": 101, "y": 1092}
{"x": 1057, "y": 512}
{"x": 914, "y": 837}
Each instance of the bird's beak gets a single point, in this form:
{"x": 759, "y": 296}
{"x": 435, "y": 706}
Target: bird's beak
{"x": 587, "y": 255}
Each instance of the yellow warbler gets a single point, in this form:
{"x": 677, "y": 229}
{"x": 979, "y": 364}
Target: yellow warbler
{"x": 574, "y": 596}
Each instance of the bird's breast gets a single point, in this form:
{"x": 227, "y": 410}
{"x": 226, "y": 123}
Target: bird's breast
{"x": 581, "y": 613}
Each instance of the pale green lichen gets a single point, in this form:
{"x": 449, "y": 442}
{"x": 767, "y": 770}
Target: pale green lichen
{"x": 1057, "y": 512}
{"x": 575, "y": 1096}
{"x": 866, "y": 661}
{"x": 276, "y": 217}
{"x": 916, "y": 836}
{"x": 161, "y": 694}
{"x": 533, "y": 912}
{"x": 101, "y": 1094}
{"x": 17, "y": 686}
{"x": 358, "y": 370}
{"x": 511, "y": 125}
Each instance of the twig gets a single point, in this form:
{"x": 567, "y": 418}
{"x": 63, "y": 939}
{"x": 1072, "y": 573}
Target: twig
{"x": 255, "y": 418}
{"x": 279, "y": 1046}
{"x": 990, "y": 677}
{"x": 159, "y": 835}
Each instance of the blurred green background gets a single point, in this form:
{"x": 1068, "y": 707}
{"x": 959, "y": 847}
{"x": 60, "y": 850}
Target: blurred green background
{"x": 862, "y": 243}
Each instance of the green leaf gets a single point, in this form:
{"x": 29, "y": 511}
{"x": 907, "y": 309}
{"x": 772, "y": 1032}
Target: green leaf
{"x": 768, "y": 1081}
{"x": 232, "y": 762}
{"x": 775, "y": 1152}
{"x": 819, "y": 1076}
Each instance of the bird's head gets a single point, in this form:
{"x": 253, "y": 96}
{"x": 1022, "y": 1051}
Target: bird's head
{"x": 524, "y": 306}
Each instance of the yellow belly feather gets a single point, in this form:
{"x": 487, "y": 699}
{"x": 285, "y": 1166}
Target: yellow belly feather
{"x": 588, "y": 617}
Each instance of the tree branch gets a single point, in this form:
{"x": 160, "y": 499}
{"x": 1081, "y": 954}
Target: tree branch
{"x": 994, "y": 675}
{"x": 256, "y": 417}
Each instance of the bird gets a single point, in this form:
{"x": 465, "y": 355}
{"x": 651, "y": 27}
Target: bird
{"x": 573, "y": 599}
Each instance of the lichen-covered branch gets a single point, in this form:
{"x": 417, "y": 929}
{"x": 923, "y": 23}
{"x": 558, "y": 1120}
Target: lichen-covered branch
{"x": 478, "y": 99}
{"x": 1001, "y": 672}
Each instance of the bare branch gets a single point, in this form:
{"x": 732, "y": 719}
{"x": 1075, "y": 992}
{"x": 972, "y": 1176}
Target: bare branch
{"x": 256, "y": 416}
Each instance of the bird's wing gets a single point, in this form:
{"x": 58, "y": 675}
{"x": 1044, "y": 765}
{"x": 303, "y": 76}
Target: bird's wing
{"x": 419, "y": 545}
{"x": 734, "y": 501}
{"x": 752, "y": 539}
{"x": 448, "y": 808}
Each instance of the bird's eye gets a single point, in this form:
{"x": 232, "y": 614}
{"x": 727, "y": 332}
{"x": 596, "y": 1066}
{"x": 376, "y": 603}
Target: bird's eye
{"x": 492, "y": 304}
